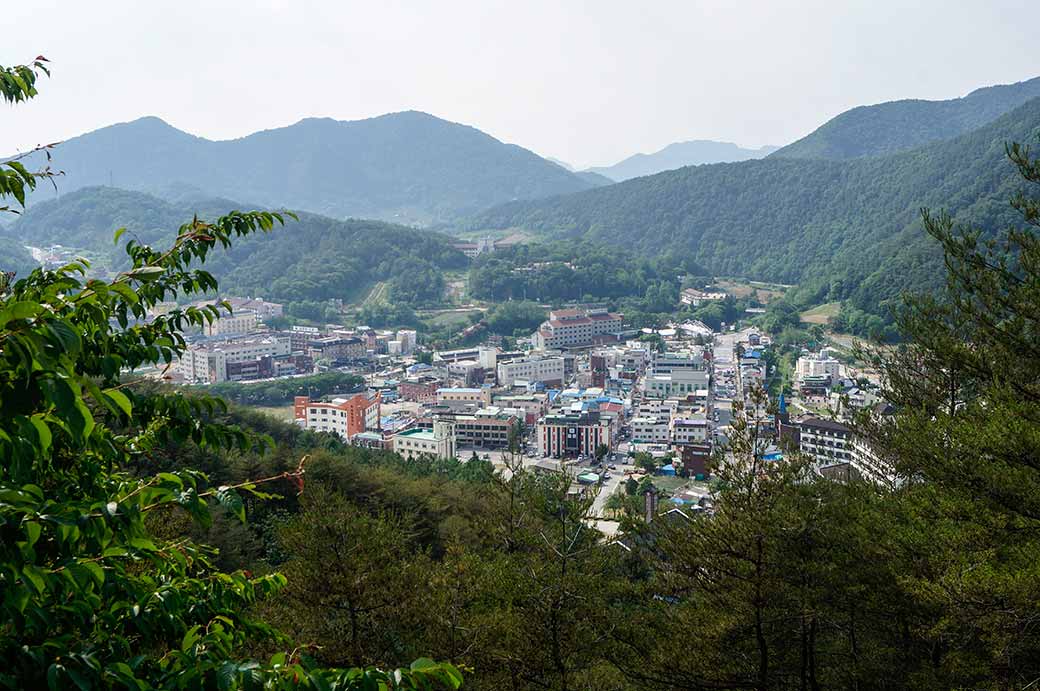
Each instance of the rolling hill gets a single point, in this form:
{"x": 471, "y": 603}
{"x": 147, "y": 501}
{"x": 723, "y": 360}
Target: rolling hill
{"x": 886, "y": 128}
{"x": 313, "y": 259}
{"x": 842, "y": 229}
{"x": 677, "y": 155}
{"x": 409, "y": 167}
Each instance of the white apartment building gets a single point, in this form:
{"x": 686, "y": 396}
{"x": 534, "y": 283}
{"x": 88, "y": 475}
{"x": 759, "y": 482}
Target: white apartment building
{"x": 238, "y": 323}
{"x": 567, "y": 328}
{"x": 651, "y": 428}
{"x": 532, "y": 369}
{"x": 207, "y": 363}
{"x": 689, "y": 430}
{"x": 438, "y": 442}
{"x": 816, "y": 365}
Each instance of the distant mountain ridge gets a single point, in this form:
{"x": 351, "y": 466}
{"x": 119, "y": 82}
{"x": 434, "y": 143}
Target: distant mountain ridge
{"x": 410, "y": 167}
{"x": 678, "y": 155}
{"x": 886, "y": 128}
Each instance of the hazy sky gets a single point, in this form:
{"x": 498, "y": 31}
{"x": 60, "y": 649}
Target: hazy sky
{"x": 587, "y": 82}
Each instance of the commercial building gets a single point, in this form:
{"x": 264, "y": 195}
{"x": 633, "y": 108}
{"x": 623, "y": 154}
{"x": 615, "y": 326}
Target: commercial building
{"x": 338, "y": 348}
{"x": 346, "y": 416}
{"x": 487, "y": 427}
{"x": 678, "y": 383}
{"x": 548, "y": 370}
{"x": 422, "y": 388}
{"x": 828, "y": 442}
{"x": 438, "y": 442}
{"x": 573, "y": 433}
{"x": 481, "y": 396}
{"x": 570, "y": 328}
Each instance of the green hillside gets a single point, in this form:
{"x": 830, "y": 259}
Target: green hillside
{"x": 406, "y": 167}
{"x": 315, "y": 258}
{"x": 840, "y": 229}
{"x": 887, "y": 128}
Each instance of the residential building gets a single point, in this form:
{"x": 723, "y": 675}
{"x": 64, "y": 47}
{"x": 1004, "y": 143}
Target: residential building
{"x": 574, "y": 433}
{"x": 238, "y": 323}
{"x": 549, "y": 370}
{"x": 689, "y": 430}
{"x": 816, "y": 365}
{"x": 828, "y": 442}
{"x": 207, "y": 362}
{"x": 338, "y": 348}
{"x": 438, "y": 442}
{"x": 569, "y": 328}
{"x": 650, "y": 429}
{"x": 408, "y": 339}
{"x": 346, "y": 416}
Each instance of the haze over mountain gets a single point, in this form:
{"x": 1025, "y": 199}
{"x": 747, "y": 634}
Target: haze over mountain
{"x": 410, "y": 167}
{"x": 679, "y": 154}
{"x": 898, "y": 125}
{"x": 845, "y": 229}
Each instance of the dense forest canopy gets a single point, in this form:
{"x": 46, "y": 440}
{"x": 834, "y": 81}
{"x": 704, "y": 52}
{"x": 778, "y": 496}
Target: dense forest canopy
{"x": 887, "y": 128}
{"x": 842, "y": 230}
{"x": 316, "y": 259}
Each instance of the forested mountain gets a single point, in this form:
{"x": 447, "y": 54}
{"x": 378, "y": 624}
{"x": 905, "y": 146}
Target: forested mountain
{"x": 315, "y": 258}
{"x": 409, "y": 167}
{"x": 677, "y": 155}
{"x": 844, "y": 229}
{"x": 886, "y": 128}
{"x": 13, "y": 256}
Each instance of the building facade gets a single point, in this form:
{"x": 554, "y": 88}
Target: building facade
{"x": 573, "y": 434}
{"x": 346, "y": 416}
{"x": 571, "y": 328}
{"x": 438, "y": 442}
{"x": 548, "y": 370}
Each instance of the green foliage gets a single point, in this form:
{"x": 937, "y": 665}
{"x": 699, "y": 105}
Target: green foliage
{"x": 841, "y": 230}
{"x": 316, "y": 260}
{"x": 90, "y": 595}
{"x": 515, "y": 315}
{"x": 282, "y": 391}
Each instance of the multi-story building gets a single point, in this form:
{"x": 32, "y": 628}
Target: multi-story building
{"x": 678, "y": 383}
{"x": 438, "y": 442}
{"x": 689, "y": 430}
{"x": 667, "y": 363}
{"x": 816, "y": 365}
{"x": 549, "y": 370}
{"x": 338, "y": 348}
{"x": 574, "y": 433}
{"x": 207, "y": 363}
{"x": 481, "y": 396}
{"x": 487, "y": 427}
{"x": 263, "y": 308}
{"x": 346, "y": 416}
{"x": 570, "y": 328}
{"x": 652, "y": 429}
{"x": 238, "y": 323}
{"x": 422, "y": 388}
{"x": 408, "y": 340}
{"x": 828, "y": 442}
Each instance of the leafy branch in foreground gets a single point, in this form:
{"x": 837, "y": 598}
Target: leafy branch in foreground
{"x": 89, "y": 596}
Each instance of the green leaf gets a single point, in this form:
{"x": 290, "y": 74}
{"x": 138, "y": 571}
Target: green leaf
{"x": 18, "y": 310}
{"x": 35, "y": 575}
{"x": 33, "y": 530}
{"x": 43, "y": 432}
{"x": 118, "y": 234}
{"x": 120, "y": 399}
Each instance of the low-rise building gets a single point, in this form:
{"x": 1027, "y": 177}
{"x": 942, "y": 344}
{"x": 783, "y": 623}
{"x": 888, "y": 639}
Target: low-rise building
{"x": 481, "y": 396}
{"x": 696, "y": 298}
{"x": 346, "y": 416}
{"x": 689, "y": 430}
{"x": 651, "y": 429}
{"x": 207, "y": 362}
{"x": 548, "y": 370}
{"x": 438, "y": 442}
{"x": 422, "y": 388}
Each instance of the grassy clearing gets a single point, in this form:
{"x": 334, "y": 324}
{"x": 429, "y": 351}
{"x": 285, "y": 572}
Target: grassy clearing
{"x": 763, "y": 292}
{"x": 821, "y": 314}
{"x": 282, "y": 412}
{"x": 378, "y": 293}
{"x": 450, "y": 319}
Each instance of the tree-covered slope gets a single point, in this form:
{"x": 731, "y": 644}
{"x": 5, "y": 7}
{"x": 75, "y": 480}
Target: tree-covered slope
{"x": 849, "y": 229}
{"x": 886, "y": 128}
{"x": 677, "y": 155}
{"x": 409, "y": 167}
{"x": 315, "y": 258}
